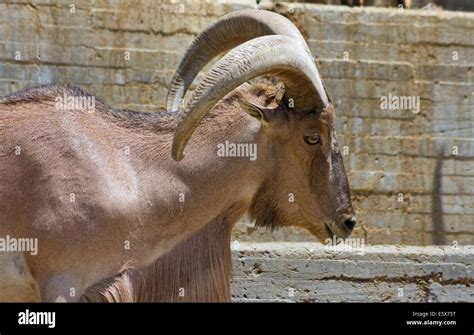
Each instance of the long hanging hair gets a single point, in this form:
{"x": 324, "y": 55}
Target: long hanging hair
{"x": 196, "y": 270}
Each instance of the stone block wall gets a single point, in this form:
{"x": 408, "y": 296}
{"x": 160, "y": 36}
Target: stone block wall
{"x": 411, "y": 172}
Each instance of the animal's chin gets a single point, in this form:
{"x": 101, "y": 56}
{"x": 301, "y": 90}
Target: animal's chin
{"x": 328, "y": 231}
{"x": 321, "y": 231}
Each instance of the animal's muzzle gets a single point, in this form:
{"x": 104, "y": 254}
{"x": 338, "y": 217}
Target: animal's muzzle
{"x": 343, "y": 225}
{"x": 350, "y": 223}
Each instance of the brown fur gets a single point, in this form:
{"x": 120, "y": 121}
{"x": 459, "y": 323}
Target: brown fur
{"x": 198, "y": 269}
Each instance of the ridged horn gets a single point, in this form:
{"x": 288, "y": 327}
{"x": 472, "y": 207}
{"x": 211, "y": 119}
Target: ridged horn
{"x": 278, "y": 55}
{"x": 228, "y": 32}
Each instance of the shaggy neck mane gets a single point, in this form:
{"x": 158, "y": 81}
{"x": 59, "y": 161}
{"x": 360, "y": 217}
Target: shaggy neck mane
{"x": 198, "y": 269}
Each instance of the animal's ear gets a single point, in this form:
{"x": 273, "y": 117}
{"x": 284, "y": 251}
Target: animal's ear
{"x": 254, "y": 110}
{"x": 280, "y": 92}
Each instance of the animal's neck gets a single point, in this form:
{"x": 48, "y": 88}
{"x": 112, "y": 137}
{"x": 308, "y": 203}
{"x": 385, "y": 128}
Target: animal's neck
{"x": 219, "y": 176}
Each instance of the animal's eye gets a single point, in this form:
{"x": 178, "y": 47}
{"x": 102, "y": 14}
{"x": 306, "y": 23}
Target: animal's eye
{"x": 313, "y": 139}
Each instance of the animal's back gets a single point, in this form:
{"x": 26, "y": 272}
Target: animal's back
{"x": 53, "y": 160}
{"x": 64, "y": 181}
{"x": 29, "y": 132}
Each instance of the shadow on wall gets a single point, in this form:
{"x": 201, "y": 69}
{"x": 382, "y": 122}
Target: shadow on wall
{"x": 439, "y": 229}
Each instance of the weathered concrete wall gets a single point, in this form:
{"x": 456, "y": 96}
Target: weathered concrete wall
{"x": 307, "y": 272}
{"x": 126, "y": 52}
{"x": 461, "y": 5}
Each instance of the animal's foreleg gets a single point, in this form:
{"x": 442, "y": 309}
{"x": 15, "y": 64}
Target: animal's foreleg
{"x": 61, "y": 288}
{"x": 16, "y": 282}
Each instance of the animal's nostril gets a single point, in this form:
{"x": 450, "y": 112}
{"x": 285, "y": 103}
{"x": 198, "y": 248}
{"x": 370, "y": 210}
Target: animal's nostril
{"x": 350, "y": 223}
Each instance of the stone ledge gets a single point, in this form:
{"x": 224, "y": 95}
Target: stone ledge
{"x": 308, "y": 272}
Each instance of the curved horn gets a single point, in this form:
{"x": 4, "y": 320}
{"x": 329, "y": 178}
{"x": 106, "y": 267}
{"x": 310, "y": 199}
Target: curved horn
{"x": 228, "y": 32}
{"x": 276, "y": 55}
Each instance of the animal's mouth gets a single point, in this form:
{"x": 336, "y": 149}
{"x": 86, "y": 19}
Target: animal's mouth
{"x": 332, "y": 229}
